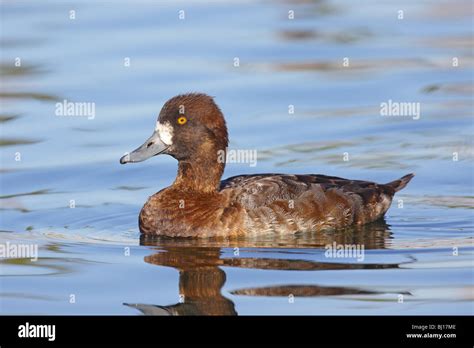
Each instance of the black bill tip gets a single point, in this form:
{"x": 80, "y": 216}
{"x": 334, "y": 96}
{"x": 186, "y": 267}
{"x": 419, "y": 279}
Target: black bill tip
{"x": 125, "y": 159}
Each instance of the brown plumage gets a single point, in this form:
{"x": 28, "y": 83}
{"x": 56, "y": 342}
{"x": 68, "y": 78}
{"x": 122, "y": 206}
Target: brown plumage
{"x": 198, "y": 204}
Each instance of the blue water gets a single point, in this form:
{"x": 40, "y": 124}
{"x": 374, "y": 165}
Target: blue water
{"x": 418, "y": 261}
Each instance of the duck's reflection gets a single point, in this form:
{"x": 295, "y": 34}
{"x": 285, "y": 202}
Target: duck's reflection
{"x": 201, "y": 279}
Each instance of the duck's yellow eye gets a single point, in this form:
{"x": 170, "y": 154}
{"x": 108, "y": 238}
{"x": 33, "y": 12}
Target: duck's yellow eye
{"x": 182, "y": 120}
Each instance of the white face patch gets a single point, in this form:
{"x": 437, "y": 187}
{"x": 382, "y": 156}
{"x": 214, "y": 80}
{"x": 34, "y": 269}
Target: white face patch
{"x": 165, "y": 132}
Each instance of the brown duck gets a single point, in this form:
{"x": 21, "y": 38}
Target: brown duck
{"x": 192, "y": 129}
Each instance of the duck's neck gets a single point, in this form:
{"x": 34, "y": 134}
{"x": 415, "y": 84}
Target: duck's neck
{"x": 201, "y": 174}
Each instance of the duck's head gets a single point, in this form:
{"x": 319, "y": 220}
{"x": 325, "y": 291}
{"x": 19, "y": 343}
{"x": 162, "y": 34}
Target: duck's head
{"x": 190, "y": 128}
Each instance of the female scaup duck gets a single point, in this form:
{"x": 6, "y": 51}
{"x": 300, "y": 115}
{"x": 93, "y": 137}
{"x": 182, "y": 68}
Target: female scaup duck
{"x": 192, "y": 129}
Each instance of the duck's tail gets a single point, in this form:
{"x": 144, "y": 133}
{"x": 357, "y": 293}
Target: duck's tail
{"x": 400, "y": 183}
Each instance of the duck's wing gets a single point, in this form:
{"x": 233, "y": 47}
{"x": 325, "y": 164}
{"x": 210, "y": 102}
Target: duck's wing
{"x": 312, "y": 196}
{"x": 262, "y": 189}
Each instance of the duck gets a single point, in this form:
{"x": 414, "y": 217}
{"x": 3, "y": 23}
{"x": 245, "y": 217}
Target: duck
{"x": 191, "y": 128}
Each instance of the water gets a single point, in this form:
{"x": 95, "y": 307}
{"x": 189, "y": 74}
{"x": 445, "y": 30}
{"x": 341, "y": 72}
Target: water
{"x": 91, "y": 259}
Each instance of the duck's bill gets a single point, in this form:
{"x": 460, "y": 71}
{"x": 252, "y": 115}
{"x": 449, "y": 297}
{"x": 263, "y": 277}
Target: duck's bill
{"x": 152, "y": 147}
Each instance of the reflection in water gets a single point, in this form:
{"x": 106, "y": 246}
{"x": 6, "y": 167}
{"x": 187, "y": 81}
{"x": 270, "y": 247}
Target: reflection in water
{"x": 17, "y": 141}
{"x": 9, "y": 70}
{"x": 302, "y": 290}
{"x": 8, "y": 117}
{"x": 343, "y": 37}
{"x": 28, "y": 95}
{"x": 14, "y": 202}
{"x": 200, "y": 282}
{"x": 201, "y": 278}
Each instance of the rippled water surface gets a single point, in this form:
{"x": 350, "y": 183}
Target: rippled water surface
{"x": 417, "y": 261}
